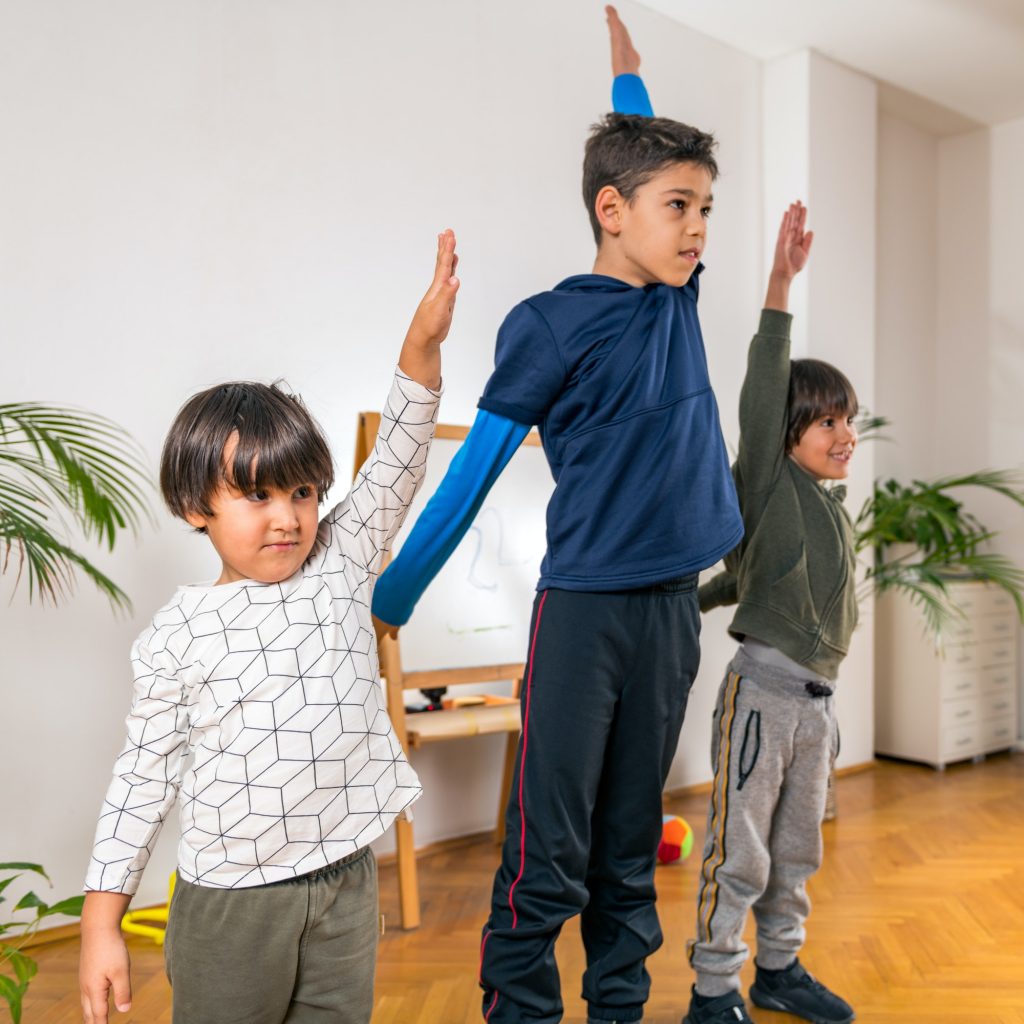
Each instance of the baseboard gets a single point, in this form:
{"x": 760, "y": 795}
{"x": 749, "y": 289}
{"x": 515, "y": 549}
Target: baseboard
{"x": 855, "y": 769}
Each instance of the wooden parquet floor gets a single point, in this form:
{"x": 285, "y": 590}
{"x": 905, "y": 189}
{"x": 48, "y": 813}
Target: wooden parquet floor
{"x": 918, "y": 916}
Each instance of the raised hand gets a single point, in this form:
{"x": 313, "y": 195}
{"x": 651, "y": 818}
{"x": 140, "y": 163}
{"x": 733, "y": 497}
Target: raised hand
{"x": 792, "y": 251}
{"x": 793, "y": 246}
{"x": 433, "y": 317}
{"x": 421, "y": 353}
{"x": 625, "y": 59}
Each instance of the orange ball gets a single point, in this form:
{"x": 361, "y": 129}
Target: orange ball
{"x": 676, "y": 839}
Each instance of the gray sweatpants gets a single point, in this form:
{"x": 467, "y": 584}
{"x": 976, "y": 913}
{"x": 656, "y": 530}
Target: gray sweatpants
{"x": 301, "y": 951}
{"x": 774, "y": 738}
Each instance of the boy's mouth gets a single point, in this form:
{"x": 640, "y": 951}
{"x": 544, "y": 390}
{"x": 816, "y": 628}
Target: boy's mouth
{"x": 693, "y": 255}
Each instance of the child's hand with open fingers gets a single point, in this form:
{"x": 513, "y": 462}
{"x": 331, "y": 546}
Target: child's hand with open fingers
{"x": 793, "y": 246}
{"x": 433, "y": 316}
{"x": 792, "y": 251}
{"x": 421, "y": 353}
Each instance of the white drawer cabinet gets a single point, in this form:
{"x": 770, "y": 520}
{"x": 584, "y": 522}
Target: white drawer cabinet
{"x": 942, "y": 706}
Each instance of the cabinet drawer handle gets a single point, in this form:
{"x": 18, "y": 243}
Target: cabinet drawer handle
{"x": 1001, "y": 680}
{"x": 963, "y": 714}
{"x": 1000, "y": 707}
{"x": 963, "y": 686}
{"x": 966, "y": 740}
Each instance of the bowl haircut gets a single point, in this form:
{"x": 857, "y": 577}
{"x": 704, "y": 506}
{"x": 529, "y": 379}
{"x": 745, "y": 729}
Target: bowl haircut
{"x": 816, "y": 389}
{"x": 280, "y": 446}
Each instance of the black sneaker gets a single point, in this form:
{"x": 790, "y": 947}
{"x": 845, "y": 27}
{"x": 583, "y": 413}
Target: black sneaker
{"x": 727, "y": 1009}
{"x": 795, "y": 991}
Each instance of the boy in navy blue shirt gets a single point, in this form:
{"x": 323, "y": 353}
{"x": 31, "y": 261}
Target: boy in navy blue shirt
{"x": 611, "y": 367}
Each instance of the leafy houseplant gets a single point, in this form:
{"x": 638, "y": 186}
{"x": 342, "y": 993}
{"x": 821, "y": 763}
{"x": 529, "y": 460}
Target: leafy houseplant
{"x": 55, "y": 461}
{"x": 16, "y": 968}
{"x": 921, "y": 539}
{"x": 59, "y": 469}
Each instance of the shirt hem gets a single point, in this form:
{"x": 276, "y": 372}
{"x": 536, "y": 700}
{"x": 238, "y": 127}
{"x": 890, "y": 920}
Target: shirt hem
{"x": 310, "y": 864}
{"x": 627, "y": 581}
{"x": 512, "y": 412}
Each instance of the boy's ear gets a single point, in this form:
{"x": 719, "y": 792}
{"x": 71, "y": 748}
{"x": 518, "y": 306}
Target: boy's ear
{"x": 196, "y": 520}
{"x": 609, "y": 206}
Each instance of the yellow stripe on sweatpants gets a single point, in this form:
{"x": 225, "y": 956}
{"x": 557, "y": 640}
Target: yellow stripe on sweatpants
{"x": 720, "y": 795}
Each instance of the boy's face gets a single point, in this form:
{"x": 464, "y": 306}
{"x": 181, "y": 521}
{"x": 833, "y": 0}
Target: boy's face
{"x": 264, "y": 536}
{"x": 826, "y": 447}
{"x": 662, "y": 230}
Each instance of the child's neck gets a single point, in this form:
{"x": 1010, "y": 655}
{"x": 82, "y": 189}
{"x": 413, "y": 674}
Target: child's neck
{"x": 610, "y": 262}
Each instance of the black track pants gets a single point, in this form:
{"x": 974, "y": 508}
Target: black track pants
{"x": 607, "y": 679}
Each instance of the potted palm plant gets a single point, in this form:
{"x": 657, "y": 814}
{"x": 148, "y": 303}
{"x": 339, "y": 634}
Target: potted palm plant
{"x": 66, "y": 477}
{"x": 921, "y": 539}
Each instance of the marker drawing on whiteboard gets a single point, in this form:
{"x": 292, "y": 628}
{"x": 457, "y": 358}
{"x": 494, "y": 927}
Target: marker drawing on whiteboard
{"x": 475, "y": 629}
{"x": 477, "y": 529}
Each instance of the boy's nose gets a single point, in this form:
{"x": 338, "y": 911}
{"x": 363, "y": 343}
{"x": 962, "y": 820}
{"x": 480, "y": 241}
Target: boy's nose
{"x": 284, "y": 516}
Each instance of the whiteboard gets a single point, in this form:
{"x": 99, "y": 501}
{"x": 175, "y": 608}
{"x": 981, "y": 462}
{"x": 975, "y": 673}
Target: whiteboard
{"x": 477, "y": 609}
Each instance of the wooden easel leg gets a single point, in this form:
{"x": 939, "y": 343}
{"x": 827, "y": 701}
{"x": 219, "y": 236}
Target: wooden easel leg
{"x": 408, "y": 884}
{"x": 511, "y": 746}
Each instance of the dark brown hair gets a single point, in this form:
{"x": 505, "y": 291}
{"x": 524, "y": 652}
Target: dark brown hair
{"x": 816, "y": 389}
{"x": 279, "y": 445}
{"x": 627, "y": 150}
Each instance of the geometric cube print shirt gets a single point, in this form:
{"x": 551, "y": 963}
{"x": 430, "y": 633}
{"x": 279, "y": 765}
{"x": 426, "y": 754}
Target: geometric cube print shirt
{"x": 260, "y": 706}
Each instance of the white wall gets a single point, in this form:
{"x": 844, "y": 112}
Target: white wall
{"x": 1006, "y": 340}
{"x": 907, "y": 297}
{"x": 195, "y": 191}
{"x": 950, "y": 367}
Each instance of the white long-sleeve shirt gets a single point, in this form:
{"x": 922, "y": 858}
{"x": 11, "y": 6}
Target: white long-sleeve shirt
{"x": 274, "y": 691}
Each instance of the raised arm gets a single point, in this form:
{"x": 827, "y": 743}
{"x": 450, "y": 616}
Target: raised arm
{"x": 421, "y": 352}
{"x": 490, "y": 444}
{"x": 764, "y": 398}
{"x": 629, "y": 96}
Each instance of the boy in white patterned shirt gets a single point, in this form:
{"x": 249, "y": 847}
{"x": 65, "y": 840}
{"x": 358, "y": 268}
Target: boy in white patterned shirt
{"x": 268, "y": 678}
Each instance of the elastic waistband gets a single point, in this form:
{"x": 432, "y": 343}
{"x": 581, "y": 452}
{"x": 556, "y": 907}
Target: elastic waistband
{"x": 680, "y": 585}
{"x": 312, "y": 876}
{"x": 778, "y": 678}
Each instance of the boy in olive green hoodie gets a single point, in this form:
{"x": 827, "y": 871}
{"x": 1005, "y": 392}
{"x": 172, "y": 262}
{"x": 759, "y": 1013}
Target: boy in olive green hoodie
{"x": 774, "y": 732}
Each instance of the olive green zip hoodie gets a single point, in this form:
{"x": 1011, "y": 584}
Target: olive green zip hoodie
{"x": 793, "y": 574}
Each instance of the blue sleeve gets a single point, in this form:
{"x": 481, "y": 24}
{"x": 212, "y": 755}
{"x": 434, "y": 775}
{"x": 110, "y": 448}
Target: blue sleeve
{"x": 629, "y": 96}
{"x": 490, "y": 444}
{"x": 529, "y": 371}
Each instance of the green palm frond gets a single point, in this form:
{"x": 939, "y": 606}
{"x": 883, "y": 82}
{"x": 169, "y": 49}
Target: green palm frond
{"x": 57, "y": 463}
{"x": 939, "y": 540}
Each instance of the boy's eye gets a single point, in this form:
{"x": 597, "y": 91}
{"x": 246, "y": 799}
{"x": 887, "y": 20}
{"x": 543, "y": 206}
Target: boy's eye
{"x": 257, "y": 495}
{"x": 706, "y": 212}
{"x": 828, "y": 421}
{"x": 677, "y": 204}
{"x": 305, "y": 491}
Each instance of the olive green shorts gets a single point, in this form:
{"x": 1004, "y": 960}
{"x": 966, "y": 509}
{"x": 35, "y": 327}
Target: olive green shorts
{"x": 301, "y": 951}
